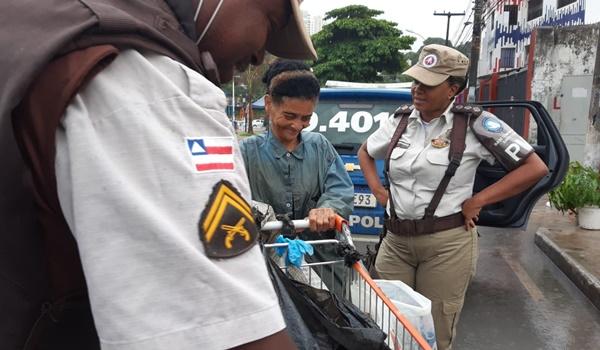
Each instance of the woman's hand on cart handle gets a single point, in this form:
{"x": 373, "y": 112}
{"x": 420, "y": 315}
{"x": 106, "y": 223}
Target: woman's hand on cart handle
{"x": 321, "y": 219}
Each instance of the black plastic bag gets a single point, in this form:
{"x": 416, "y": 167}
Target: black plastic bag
{"x": 296, "y": 328}
{"x": 335, "y": 323}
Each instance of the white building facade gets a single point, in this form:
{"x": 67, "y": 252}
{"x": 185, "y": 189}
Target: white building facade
{"x": 508, "y": 25}
{"x": 313, "y": 24}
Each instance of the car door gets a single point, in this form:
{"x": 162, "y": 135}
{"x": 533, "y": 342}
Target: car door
{"x": 543, "y": 135}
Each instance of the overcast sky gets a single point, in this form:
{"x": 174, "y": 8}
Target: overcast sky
{"x": 418, "y": 15}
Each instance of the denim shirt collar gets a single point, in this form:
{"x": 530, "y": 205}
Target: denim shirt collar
{"x": 279, "y": 150}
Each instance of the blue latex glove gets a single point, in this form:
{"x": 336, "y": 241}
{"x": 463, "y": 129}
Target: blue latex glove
{"x": 295, "y": 250}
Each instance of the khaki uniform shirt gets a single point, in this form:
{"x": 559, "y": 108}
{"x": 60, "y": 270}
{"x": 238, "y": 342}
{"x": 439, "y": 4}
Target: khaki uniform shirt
{"x": 417, "y": 167}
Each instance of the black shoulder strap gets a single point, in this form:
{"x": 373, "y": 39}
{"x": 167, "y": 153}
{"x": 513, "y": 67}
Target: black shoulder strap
{"x": 403, "y": 112}
{"x": 462, "y": 114}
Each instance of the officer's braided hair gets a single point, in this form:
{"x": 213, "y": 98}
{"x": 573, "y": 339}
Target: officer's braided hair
{"x": 289, "y": 78}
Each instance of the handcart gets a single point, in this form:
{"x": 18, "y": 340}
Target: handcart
{"x": 359, "y": 288}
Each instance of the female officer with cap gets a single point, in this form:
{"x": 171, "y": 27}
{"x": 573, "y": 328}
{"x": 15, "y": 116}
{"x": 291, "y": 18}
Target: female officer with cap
{"x": 438, "y": 259}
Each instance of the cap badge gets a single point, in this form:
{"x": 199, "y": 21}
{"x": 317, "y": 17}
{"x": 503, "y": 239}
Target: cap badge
{"x": 227, "y": 225}
{"x": 430, "y": 61}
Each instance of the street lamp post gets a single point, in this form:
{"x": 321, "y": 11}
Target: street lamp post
{"x": 415, "y": 33}
{"x": 233, "y": 98}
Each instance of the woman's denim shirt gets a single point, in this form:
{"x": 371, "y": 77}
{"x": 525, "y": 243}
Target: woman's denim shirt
{"x": 311, "y": 176}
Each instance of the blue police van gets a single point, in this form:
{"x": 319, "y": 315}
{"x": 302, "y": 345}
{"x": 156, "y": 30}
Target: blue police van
{"x": 347, "y": 116}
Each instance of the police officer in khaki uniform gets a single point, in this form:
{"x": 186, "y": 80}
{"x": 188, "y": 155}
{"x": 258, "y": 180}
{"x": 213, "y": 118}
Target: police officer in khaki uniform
{"x": 440, "y": 263}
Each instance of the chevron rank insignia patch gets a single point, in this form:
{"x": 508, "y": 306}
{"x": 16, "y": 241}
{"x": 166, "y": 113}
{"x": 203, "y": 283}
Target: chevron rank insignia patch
{"x": 227, "y": 226}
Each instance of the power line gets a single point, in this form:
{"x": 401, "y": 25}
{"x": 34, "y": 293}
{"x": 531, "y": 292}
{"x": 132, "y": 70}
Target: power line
{"x": 466, "y": 37}
{"x": 491, "y": 9}
{"x": 468, "y": 7}
{"x": 457, "y": 39}
{"x": 449, "y": 15}
{"x": 485, "y": 16}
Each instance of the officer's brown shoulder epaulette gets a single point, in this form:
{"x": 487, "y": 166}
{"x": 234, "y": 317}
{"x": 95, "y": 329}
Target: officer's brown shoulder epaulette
{"x": 404, "y": 110}
{"x": 467, "y": 109}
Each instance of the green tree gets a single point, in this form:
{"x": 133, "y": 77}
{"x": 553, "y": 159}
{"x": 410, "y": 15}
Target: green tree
{"x": 358, "y": 47}
{"x": 249, "y": 86}
{"x": 252, "y": 78}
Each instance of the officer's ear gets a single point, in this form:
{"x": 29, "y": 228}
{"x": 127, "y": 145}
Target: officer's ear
{"x": 454, "y": 90}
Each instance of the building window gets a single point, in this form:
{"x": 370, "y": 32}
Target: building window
{"x": 507, "y": 57}
{"x": 513, "y": 14}
{"x": 535, "y": 8}
{"x": 563, "y": 3}
{"x": 491, "y": 57}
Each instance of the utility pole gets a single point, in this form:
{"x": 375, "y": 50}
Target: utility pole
{"x": 233, "y": 101}
{"x": 448, "y": 14}
{"x": 475, "y": 48}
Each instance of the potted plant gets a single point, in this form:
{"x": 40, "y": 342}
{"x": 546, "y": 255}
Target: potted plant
{"x": 579, "y": 193}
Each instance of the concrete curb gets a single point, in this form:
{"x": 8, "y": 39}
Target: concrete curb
{"x": 585, "y": 281}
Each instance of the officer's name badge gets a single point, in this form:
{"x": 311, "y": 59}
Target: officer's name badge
{"x": 442, "y": 140}
{"x": 227, "y": 226}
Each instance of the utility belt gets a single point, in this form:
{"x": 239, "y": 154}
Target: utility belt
{"x": 423, "y": 226}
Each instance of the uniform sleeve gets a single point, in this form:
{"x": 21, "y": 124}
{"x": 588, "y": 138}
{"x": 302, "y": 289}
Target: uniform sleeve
{"x": 501, "y": 141}
{"x": 378, "y": 142}
{"x": 338, "y": 192}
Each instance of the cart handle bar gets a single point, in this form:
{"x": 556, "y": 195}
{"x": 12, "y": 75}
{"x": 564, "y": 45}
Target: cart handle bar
{"x": 302, "y": 224}
{"x": 321, "y": 241}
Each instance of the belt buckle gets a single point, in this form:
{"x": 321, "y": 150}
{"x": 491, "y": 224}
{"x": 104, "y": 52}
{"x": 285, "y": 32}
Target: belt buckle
{"x": 414, "y": 231}
{"x": 427, "y": 225}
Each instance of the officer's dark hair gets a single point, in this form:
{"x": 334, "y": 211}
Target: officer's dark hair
{"x": 461, "y": 82}
{"x": 289, "y": 78}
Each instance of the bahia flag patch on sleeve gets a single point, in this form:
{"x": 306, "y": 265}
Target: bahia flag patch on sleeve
{"x": 211, "y": 153}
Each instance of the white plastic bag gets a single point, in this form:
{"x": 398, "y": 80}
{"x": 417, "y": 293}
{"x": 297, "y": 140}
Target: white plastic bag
{"x": 413, "y": 306}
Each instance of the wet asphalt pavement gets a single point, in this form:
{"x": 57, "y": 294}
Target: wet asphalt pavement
{"x": 520, "y": 300}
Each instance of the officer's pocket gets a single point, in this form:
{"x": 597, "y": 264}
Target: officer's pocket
{"x": 450, "y": 313}
{"x": 397, "y": 152}
{"x": 397, "y": 164}
{"x": 438, "y": 163}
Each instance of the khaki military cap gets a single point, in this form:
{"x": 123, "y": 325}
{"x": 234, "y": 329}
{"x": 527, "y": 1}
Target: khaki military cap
{"x": 437, "y": 63}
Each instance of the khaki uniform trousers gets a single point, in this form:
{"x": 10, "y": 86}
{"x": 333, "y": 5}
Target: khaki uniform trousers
{"x": 439, "y": 266}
